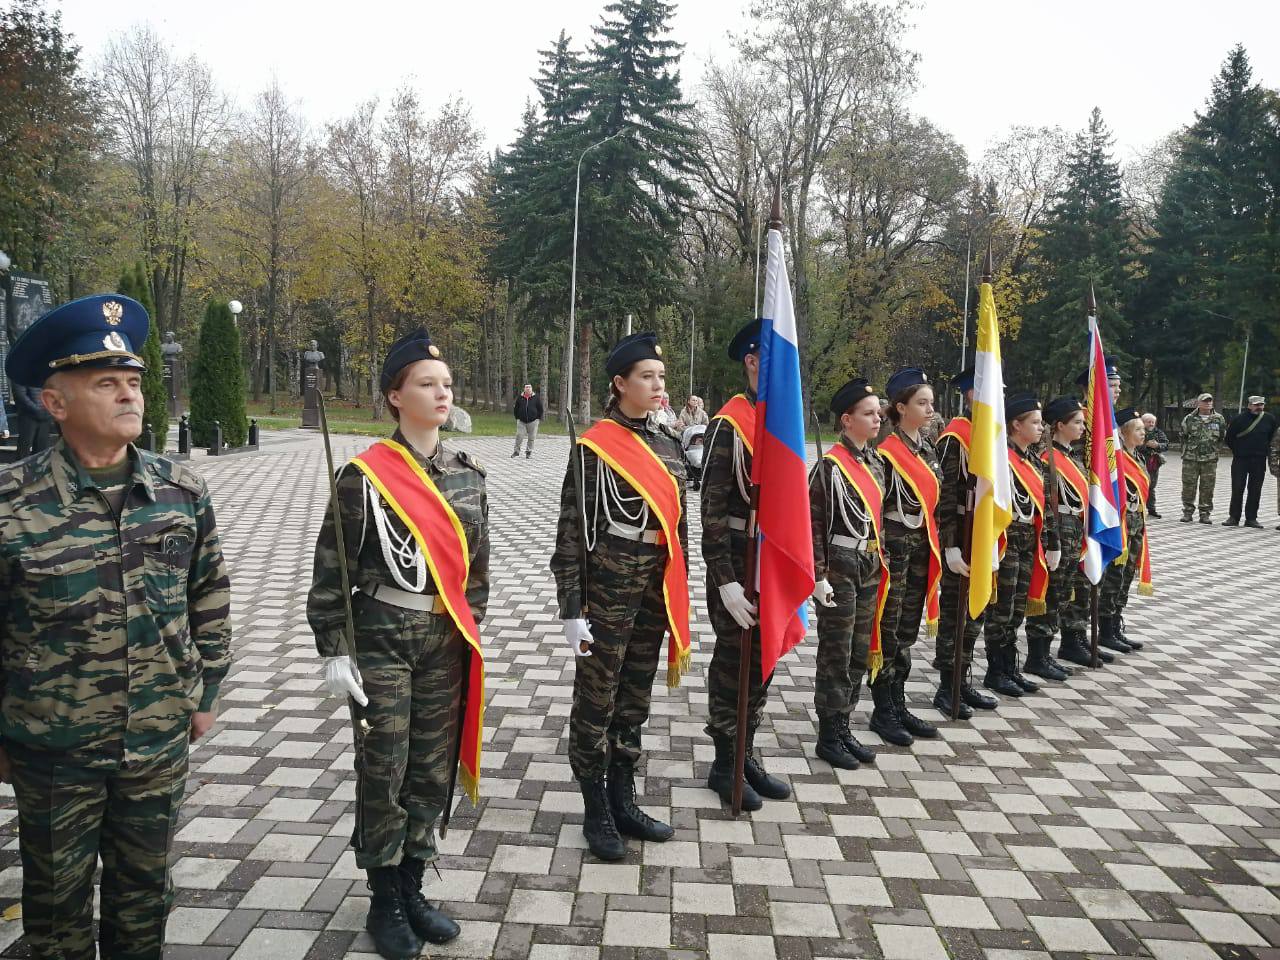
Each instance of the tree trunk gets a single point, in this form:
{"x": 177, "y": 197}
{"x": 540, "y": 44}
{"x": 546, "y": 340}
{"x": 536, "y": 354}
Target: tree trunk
{"x": 566, "y": 376}
{"x": 584, "y": 373}
{"x": 524, "y": 355}
{"x": 508, "y": 342}
{"x": 544, "y": 371}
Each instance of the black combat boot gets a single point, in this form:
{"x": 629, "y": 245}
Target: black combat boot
{"x": 884, "y": 718}
{"x": 997, "y": 677}
{"x": 630, "y": 819}
{"x": 861, "y": 752}
{"x": 916, "y": 726}
{"x": 831, "y": 747}
{"x": 1124, "y": 637}
{"x": 387, "y": 924}
{"x": 1074, "y": 649}
{"x": 769, "y": 787}
{"x": 1039, "y": 662}
{"x": 944, "y": 701}
{"x": 721, "y": 777}
{"x": 1015, "y": 671}
{"x": 597, "y": 822}
{"x": 1107, "y": 636}
{"x": 427, "y": 921}
{"x": 975, "y": 697}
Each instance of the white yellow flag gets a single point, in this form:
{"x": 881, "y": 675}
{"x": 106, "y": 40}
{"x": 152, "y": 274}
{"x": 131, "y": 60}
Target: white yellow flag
{"x": 988, "y": 456}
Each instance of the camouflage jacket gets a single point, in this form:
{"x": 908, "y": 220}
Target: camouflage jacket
{"x": 1202, "y": 436}
{"x": 1049, "y": 538}
{"x": 458, "y": 476}
{"x": 565, "y": 560}
{"x": 726, "y": 474}
{"x": 897, "y": 492}
{"x": 954, "y": 461}
{"x": 1273, "y": 456}
{"x": 111, "y": 632}
{"x": 826, "y": 517}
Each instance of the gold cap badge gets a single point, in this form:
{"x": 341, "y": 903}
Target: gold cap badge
{"x": 434, "y": 351}
{"x": 113, "y": 311}
{"x": 113, "y": 341}
{"x": 657, "y": 349}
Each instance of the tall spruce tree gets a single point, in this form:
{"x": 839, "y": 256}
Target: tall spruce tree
{"x": 1086, "y": 243}
{"x": 217, "y": 380}
{"x": 134, "y": 283}
{"x": 1213, "y": 268}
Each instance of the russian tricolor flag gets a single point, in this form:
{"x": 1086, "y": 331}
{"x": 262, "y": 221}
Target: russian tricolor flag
{"x": 1103, "y": 539}
{"x": 784, "y": 566}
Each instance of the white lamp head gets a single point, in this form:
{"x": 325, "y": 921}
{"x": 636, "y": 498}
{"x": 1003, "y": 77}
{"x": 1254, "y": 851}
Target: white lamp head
{"x": 235, "y": 306}
{"x": 5, "y": 262}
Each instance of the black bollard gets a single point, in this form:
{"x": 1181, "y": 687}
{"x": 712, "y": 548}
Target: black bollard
{"x": 253, "y": 433}
{"x": 148, "y": 440}
{"x": 184, "y": 436}
{"x": 215, "y": 446}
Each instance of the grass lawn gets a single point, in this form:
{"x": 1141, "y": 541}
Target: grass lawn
{"x": 348, "y": 418}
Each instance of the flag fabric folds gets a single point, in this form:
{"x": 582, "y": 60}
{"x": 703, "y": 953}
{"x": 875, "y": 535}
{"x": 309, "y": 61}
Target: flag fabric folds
{"x": 1105, "y": 539}
{"x": 784, "y": 566}
{"x": 988, "y": 456}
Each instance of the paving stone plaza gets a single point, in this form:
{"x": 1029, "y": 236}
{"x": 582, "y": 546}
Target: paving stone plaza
{"x": 1134, "y": 812}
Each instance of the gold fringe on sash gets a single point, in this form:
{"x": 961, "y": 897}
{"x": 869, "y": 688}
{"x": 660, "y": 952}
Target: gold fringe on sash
{"x": 678, "y": 668}
{"x": 874, "y": 664}
{"x": 1036, "y": 608}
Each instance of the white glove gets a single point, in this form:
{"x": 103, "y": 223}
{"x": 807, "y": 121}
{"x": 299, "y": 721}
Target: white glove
{"x": 342, "y": 679}
{"x": 955, "y": 562}
{"x": 1052, "y": 558}
{"x": 578, "y": 633}
{"x": 740, "y": 608}
{"x": 824, "y": 594}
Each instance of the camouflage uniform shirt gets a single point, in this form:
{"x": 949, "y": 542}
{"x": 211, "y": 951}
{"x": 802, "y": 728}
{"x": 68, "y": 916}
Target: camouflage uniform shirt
{"x": 459, "y": 477}
{"x": 113, "y": 631}
{"x": 1202, "y": 436}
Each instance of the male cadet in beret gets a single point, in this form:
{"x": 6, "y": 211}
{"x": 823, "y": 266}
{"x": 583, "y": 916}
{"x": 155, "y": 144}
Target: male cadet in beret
{"x": 114, "y": 638}
{"x": 726, "y": 501}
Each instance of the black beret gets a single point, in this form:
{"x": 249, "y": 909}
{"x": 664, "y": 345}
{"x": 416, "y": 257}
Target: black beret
{"x": 853, "y": 391}
{"x": 964, "y": 379}
{"x": 1061, "y": 408}
{"x": 1127, "y": 414}
{"x": 1016, "y": 404}
{"x": 412, "y": 347}
{"x": 632, "y": 349}
{"x": 745, "y": 341}
{"x": 1112, "y": 373}
{"x": 904, "y": 379}
{"x": 104, "y": 330}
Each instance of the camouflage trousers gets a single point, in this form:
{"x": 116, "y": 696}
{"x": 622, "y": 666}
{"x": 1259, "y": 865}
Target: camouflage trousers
{"x": 944, "y": 651}
{"x": 1067, "y": 602}
{"x": 1201, "y": 473}
{"x": 908, "y": 553}
{"x": 1113, "y": 592}
{"x": 1013, "y": 583}
{"x": 69, "y": 815}
{"x": 612, "y": 688}
{"x": 722, "y": 674}
{"x": 844, "y": 631}
{"x": 411, "y": 664}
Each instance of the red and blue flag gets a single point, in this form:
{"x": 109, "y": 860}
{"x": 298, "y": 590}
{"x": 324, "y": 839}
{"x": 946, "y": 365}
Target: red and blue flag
{"x": 784, "y": 568}
{"x": 1104, "y": 538}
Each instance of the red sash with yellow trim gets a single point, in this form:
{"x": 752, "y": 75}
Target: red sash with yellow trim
{"x": 633, "y": 460}
{"x": 865, "y": 485}
{"x": 438, "y": 532}
{"x": 961, "y": 428}
{"x": 1030, "y": 480}
{"x": 1070, "y": 472}
{"x": 926, "y": 487}
{"x": 741, "y": 413}
{"x": 1137, "y": 478}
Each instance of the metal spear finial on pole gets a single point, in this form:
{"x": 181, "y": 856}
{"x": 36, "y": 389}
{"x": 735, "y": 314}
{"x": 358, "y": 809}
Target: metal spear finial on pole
{"x": 988, "y": 266}
{"x": 1091, "y": 302}
{"x": 775, "y": 212}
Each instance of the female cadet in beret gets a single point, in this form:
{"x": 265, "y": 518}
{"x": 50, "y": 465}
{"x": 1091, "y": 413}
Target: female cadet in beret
{"x": 414, "y": 517}
{"x": 1031, "y": 551}
{"x": 622, "y": 584}
{"x": 846, "y": 492}
{"x": 911, "y": 545}
{"x": 1113, "y": 595}
{"x": 1066, "y": 604}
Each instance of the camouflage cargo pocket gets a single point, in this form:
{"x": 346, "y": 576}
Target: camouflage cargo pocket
{"x": 166, "y": 560}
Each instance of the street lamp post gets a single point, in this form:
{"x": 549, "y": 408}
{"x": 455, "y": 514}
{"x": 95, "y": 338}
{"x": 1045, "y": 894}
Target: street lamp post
{"x": 573, "y": 271}
{"x": 1244, "y": 367}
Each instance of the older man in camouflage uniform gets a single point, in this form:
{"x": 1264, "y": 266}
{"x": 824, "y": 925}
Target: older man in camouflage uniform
{"x": 114, "y": 639}
{"x": 1203, "y": 431}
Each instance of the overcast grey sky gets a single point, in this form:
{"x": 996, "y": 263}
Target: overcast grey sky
{"x": 984, "y": 66}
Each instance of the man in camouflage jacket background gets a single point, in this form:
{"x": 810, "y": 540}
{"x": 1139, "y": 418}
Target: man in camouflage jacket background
{"x": 114, "y": 639}
{"x": 1203, "y": 431}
